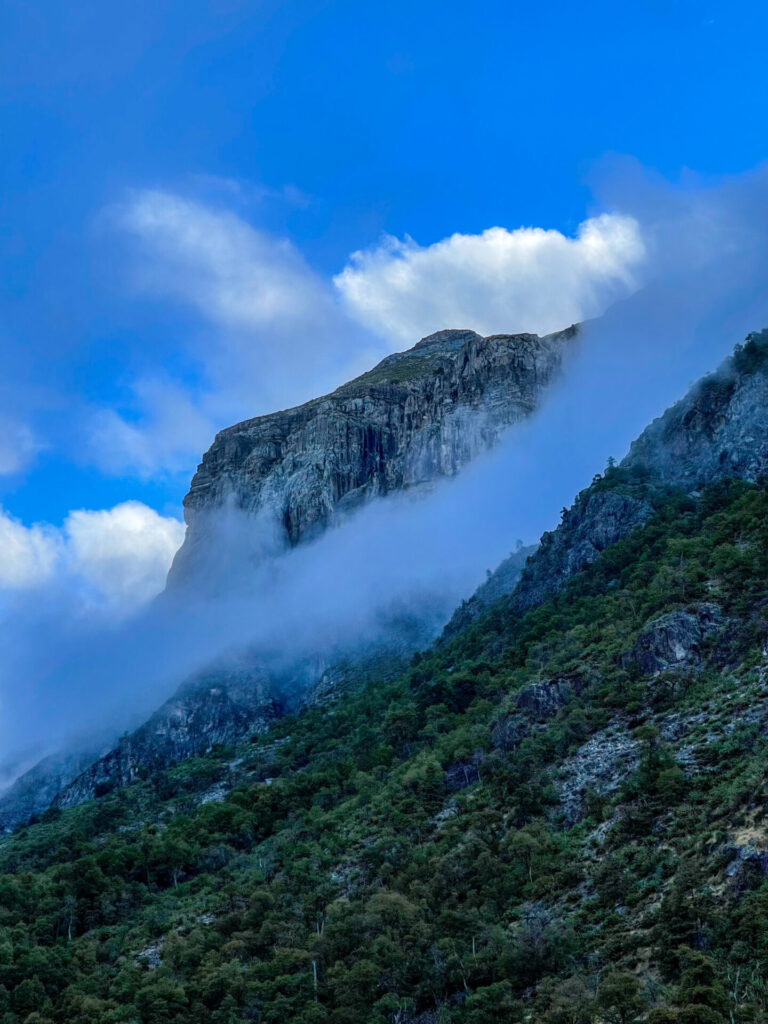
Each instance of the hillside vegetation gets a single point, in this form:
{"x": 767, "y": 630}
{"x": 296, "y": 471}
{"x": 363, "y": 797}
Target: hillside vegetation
{"x": 555, "y": 817}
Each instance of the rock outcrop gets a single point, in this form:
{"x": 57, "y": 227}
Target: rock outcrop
{"x": 500, "y": 582}
{"x": 417, "y": 416}
{"x": 718, "y": 431}
{"x": 595, "y": 522}
{"x": 33, "y": 792}
{"x": 218, "y": 708}
{"x": 674, "y": 640}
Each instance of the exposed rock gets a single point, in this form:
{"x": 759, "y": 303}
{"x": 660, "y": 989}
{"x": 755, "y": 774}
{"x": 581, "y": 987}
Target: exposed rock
{"x": 601, "y": 765}
{"x": 674, "y": 640}
{"x": 33, "y": 791}
{"x": 151, "y": 957}
{"x": 509, "y": 732}
{"x": 417, "y": 416}
{"x": 464, "y": 773}
{"x": 217, "y": 708}
{"x": 544, "y": 700}
{"x": 748, "y": 867}
{"x": 718, "y": 431}
{"x": 535, "y": 702}
{"x": 595, "y": 522}
{"x": 451, "y": 810}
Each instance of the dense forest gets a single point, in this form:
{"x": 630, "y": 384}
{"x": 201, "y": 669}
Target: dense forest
{"x": 543, "y": 819}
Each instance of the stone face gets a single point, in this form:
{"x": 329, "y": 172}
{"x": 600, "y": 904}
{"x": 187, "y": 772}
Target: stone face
{"x": 218, "y": 708}
{"x": 536, "y": 702}
{"x": 501, "y": 582}
{"x": 718, "y": 431}
{"x": 416, "y": 417}
{"x": 674, "y": 640}
{"x": 600, "y": 764}
{"x": 588, "y": 528}
{"x": 544, "y": 700}
{"x": 33, "y": 791}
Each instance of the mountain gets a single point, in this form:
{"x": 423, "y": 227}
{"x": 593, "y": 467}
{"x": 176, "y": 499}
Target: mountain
{"x": 418, "y": 416}
{"x": 556, "y": 814}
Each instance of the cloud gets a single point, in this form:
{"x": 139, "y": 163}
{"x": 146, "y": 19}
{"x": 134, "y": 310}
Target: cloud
{"x": 111, "y": 560}
{"x": 276, "y": 333}
{"x": 166, "y": 432}
{"x": 237, "y": 276}
{"x": 18, "y": 446}
{"x": 29, "y": 553}
{"x": 272, "y": 333}
{"x": 412, "y": 551}
{"x": 496, "y": 282}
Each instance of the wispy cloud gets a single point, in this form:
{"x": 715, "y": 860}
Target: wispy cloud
{"x": 275, "y": 333}
{"x": 19, "y": 446}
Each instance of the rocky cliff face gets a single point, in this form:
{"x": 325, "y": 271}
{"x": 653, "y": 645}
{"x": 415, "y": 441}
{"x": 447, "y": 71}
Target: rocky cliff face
{"x": 500, "y": 582}
{"x": 417, "y": 416}
{"x": 718, "y": 431}
{"x": 33, "y": 792}
{"x": 221, "y": 707}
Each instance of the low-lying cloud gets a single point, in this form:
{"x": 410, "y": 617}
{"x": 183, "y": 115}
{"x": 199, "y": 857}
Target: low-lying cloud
{"x": 706, "y": 286}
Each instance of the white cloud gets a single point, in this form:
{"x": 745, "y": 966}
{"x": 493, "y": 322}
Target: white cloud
{"x": 29, "y": 554}
{"x": 169, "y": 433}
{"x": 499, "y": 281}
{"x": 114, "y": 559}
{"x": 123, "y": 553}
{"x": 18, "y": 446}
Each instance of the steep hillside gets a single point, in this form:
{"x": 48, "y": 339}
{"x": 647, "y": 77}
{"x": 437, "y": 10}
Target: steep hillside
{"x": 556, "y": 815}
{"x": 417, "y": 416}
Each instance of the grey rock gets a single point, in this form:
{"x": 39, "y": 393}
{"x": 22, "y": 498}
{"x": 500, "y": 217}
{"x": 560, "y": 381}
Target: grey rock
{"x": 748, "y": 866}
{"x": 464, "y": 773}
{"x": 33, "y": 792}
{"x": 600, "y": 764}
{"x": 718, "y": 431}
{"x": 595, "y": 522}
{"x": 674, "y": 640}
{"x": 221, "y": 707}
{"x": 500, "y": 582}
{"x": 417, "y": 416}
{"x": 536, "y": 702}
{"x": 543, "y": 700}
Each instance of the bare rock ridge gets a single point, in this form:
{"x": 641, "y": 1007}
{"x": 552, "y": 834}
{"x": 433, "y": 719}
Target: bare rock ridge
{"x": 416, "y": 417}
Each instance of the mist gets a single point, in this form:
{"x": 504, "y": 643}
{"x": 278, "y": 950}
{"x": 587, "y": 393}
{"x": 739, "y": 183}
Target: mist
{"x": 705, "y": 285}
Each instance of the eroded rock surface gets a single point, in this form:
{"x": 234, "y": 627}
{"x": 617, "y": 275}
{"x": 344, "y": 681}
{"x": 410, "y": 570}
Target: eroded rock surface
{"x": 417, "y": 416}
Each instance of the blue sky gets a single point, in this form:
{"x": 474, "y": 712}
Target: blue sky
{"x": 296, "y": 134}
